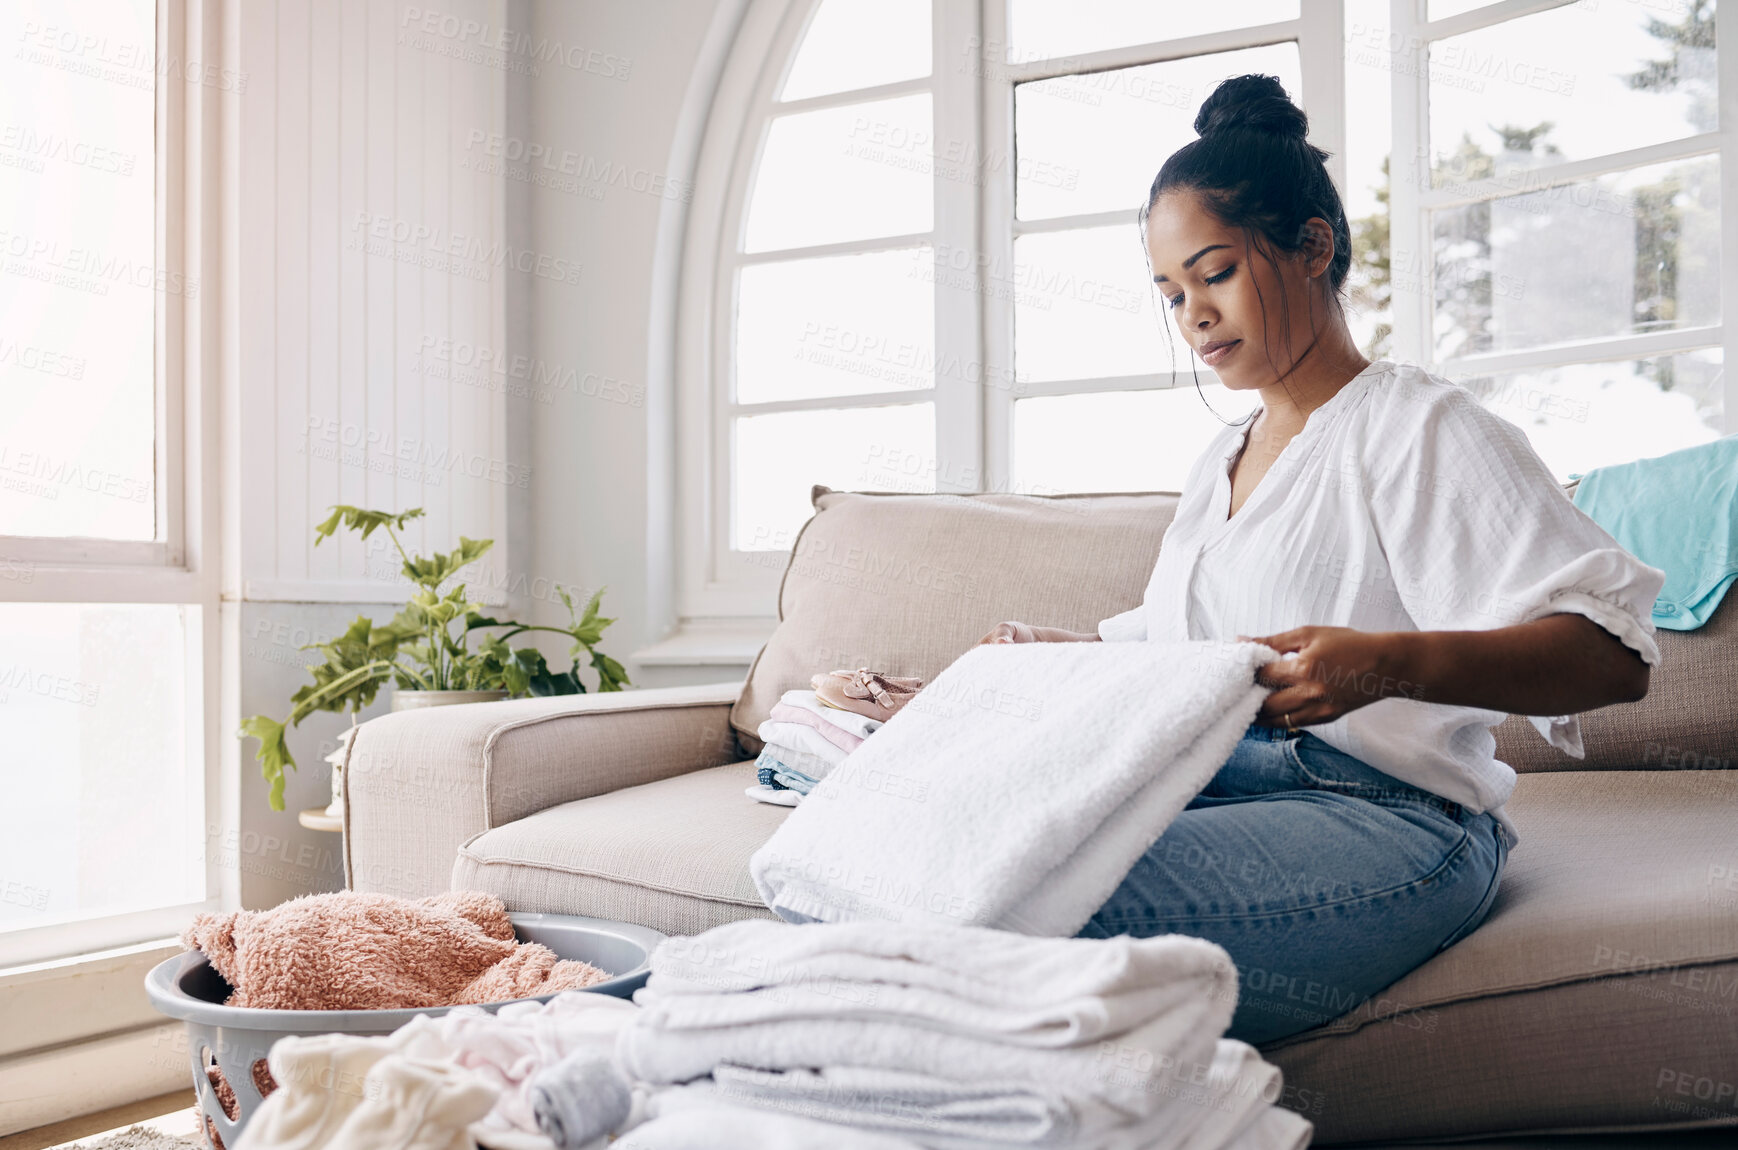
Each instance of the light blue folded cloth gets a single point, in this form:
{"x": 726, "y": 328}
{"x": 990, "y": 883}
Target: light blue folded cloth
{"x": 1677, "y": 512}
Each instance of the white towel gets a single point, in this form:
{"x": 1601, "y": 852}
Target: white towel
{"x": 1222, "y": 1103}
{"x": 940, "y": 1001}
{"x": 992, "y": 984}
{"x": 1046, "y": 770}
{"x": 848, "y": 721}
{"x": 687, "y": 1121}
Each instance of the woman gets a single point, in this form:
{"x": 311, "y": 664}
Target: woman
{"x": 1408, "y": 553}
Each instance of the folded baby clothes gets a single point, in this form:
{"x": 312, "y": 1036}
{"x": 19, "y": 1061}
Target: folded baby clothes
{"x": 838, "y": 736}
{"x": 776, "y": 766}
{"x": 778, "y": 796}
{"x": 848, "y": 721}
{"x": 801, "y": 737}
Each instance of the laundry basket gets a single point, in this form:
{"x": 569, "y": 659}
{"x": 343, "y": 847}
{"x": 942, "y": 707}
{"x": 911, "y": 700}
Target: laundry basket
{"x": 227, "y": 1045}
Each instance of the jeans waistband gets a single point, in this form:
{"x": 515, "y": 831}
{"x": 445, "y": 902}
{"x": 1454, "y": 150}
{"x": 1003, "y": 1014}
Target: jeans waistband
{"x": 1269, "y": 734}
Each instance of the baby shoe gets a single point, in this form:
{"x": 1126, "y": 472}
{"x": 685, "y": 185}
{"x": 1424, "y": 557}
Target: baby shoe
{"x": 866, "y": 692}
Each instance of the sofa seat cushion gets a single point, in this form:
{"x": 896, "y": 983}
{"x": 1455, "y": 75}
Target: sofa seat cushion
{"x": 1602, "y": 990}
{"x": 671, "y": 854}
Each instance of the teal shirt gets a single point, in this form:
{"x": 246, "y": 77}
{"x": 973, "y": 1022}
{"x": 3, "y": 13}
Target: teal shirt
{"x": 1677, "y": 512}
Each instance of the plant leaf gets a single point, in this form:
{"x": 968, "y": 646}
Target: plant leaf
{"x": 611, "y": 675}
{"x": 358, "y": 519}
{"x": 273, "y": 753}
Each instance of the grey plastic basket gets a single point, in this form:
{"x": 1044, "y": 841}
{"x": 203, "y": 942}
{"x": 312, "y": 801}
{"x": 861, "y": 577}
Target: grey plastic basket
{"x": 230, "y": 1043}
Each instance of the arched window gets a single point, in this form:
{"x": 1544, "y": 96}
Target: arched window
{"x": 913, "y": 263}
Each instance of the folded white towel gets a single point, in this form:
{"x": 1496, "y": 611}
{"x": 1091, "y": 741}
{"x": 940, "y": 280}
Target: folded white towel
{"x": 802, "y": 737}
{"x": 1083, "y": 1076}
{"x": 1206, "y": 1106}
{"x": 1030, "y": 815}
{"x": 974, "y": 981}
{"x": 1224, "y": 1103}
{"x": 978, "y": 963}
{"x": 860, "y": 725}
{"x": 686, "y": 1121}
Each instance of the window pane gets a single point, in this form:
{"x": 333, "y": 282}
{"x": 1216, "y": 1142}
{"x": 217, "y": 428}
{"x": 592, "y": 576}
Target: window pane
{"x": 1043, "y": 29}
{"x": 1569, "y": 83}
{"x": 94, "y": 703}
{"x": 79, "y": 289}
{"x": 842, "y": 325}
{"x": 1094, "y": 142}
{"x": 1083, "y": 306}
{"x": 858, "y": 44}
{"x": 1119, "y": 440}
{"x": 1634, "y": 252}
{"x": 844, "y": 174}
{"x": 778, "y": 457}
{"x": 1594, "y": 414}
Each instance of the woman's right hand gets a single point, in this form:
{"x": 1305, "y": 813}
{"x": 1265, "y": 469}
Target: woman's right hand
{"x": 1011, "y": 632}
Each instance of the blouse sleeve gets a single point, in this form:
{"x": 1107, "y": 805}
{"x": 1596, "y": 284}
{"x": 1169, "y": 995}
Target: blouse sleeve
{"x": 1479, "y": 535}
{"x": 1130, "y": 626}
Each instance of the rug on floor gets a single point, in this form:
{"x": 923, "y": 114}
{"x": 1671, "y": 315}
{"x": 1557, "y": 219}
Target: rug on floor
{"x": 141, "y": 1138}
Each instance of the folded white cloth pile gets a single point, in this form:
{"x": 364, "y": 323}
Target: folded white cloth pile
{"x": 947, "y": 1037}
{"x": 806, "y": 738}
{"x": 451, "y": 1081}
{"x": 1017, "y": 789}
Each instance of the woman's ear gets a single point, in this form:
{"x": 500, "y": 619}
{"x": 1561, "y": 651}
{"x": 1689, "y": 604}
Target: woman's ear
{"x": 1318, "y": 246}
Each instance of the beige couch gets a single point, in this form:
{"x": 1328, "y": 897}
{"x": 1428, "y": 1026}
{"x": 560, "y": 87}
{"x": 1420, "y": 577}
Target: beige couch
{"x": 1601, "y": 993}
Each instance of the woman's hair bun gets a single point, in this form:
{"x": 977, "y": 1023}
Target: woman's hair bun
{"x": 1254, "y": 102}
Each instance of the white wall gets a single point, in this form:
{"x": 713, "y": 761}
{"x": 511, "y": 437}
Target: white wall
{"x": 373, "y": 263}
{"x": 600, "y": 457}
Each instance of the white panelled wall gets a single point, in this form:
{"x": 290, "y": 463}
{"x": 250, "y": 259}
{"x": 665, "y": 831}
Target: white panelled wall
{"x": 375, "y": 272}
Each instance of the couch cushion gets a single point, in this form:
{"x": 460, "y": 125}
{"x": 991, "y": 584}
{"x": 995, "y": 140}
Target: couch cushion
{"x": 1605, "y": 979}
{"x": 671, "y": 854}
{"x": 1689, "y": 719}
{"x": 907, "y": 583}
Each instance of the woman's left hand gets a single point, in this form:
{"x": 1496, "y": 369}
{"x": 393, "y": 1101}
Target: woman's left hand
{"x": 1330, "y": 672}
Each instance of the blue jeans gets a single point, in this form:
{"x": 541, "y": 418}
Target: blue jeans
{"x": 1325, "y": 879}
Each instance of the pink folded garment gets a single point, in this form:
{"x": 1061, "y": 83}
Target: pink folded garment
{"x": 838, "y": 736}
{"x": 351, "y": 951}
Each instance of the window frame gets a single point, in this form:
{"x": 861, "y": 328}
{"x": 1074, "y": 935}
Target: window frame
{"x": 973, "y": 102}
{"x": 181, "y": 566}
{"x": 1411, "y": 203}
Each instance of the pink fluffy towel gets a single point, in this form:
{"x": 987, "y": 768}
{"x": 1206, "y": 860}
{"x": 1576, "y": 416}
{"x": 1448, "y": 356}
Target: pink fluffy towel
{"x": 350, "y": 951}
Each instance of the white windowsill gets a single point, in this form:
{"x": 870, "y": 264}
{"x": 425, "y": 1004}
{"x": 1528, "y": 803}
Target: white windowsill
{"x": 704, "y": 642}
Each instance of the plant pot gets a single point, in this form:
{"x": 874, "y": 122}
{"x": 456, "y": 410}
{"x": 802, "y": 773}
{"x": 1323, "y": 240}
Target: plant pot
{"x": 413, "y": 700}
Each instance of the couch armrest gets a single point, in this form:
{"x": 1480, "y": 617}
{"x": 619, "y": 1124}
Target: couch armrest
{"x": 419, "y": 783}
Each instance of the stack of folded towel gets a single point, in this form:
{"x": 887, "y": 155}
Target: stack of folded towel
{"x": 885, "y": 1036}
{"x": 805, "y": 739}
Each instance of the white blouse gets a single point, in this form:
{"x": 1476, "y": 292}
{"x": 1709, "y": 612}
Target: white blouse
{"x": 1402, "y": 505}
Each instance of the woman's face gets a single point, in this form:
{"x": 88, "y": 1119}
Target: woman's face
{"x": 1216, "y": 285}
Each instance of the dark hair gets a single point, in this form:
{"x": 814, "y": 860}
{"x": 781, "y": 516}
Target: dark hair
{"x": 1254, "y": 169}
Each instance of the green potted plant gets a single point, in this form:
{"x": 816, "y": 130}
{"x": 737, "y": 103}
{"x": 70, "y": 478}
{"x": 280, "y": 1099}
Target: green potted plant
{"x": 426, "y": 649}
